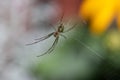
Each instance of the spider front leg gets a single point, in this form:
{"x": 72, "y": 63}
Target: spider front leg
{"x": 41, "y": 39}
{"x": 51, "y": 48}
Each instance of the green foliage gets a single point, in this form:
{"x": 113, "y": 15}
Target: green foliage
{"x": 81, "y": 56}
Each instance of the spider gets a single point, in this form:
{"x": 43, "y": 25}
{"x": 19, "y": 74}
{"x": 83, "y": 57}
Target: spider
{"x": 57, "y": 33}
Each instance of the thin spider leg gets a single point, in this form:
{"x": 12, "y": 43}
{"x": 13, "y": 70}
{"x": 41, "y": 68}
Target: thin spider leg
{"x": 49, "y": 24}
{"x": 70, "y": 28}
{"x": 60, "y": 21}
{"x": 63, "y": 36}
{"x": 61, "y": 18}
{"x": 51, "y": 48}
{"x": 41, "y": 39}
{"x": 45, "y": 37}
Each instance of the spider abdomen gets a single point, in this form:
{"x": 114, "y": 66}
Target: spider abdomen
{"x": 61, "y": 28}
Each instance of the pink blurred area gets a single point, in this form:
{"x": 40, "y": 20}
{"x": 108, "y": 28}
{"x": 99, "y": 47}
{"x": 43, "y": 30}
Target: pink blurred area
{"x": 14, "y": 22}
{"x": 70, "y": 7}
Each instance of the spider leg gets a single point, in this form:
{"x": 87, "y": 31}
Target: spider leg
{"x": 49, "y": 24}
{"x": 41, "y": 39}
{"x": 51, "y": 48}
{"x": 70, "y": 28}
{"x": 61, "y": 19}
{"x": 45, "y": 37}
{"x": 63, "y": 36}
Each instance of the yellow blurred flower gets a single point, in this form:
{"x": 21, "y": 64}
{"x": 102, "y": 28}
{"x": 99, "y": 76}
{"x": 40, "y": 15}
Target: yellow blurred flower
{"x": 101, "y": 13}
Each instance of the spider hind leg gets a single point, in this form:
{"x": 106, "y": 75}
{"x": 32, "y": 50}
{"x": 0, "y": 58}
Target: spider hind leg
{"x": 51, "y": 48}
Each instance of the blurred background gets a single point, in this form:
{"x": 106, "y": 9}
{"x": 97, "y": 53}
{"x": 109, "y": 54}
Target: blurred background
{"x": 90, "y": 52}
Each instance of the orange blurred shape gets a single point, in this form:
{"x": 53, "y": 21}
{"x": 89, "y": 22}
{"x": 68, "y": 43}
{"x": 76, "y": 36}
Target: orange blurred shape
{"x": 101, "y": 13}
